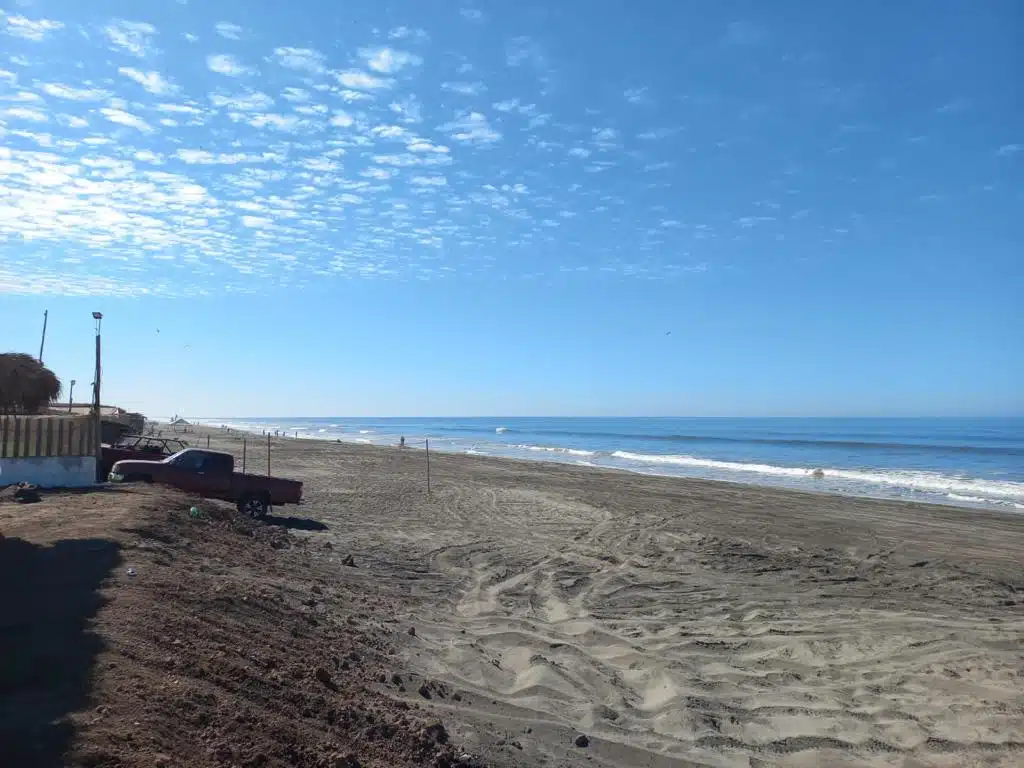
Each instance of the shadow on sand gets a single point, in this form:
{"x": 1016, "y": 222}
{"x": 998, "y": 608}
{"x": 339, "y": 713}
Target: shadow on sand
{"x": 47, "y": 599}
{"x": 295, "y": 523}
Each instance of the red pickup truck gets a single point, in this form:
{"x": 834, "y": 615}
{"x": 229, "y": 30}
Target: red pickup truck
{"x": 211, "y": 474}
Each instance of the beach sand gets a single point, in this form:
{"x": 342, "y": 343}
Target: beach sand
{"x": 678, "y": 622}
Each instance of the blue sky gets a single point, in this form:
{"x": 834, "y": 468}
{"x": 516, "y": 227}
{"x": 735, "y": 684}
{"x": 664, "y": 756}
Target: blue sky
{"x": 427, "y": 208}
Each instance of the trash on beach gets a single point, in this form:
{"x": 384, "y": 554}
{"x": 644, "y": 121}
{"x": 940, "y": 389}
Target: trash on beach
{"x": 130, "y": 571}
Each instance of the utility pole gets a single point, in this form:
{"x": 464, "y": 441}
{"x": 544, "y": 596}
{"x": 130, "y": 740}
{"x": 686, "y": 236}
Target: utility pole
{"x": 46, "y": 314}
{"x": 96, "y": 423}
{"x": 71, "y": 396}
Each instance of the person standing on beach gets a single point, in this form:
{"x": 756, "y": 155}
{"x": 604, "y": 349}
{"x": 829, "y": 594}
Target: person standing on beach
{"x": 401, "y": 442}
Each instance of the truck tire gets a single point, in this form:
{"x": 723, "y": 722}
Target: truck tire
{"x": 138, "y": 479}
{"x": 254, "y": 506}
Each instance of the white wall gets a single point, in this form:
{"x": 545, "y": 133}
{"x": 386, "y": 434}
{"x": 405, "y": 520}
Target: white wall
{"x": 49, "y": 471}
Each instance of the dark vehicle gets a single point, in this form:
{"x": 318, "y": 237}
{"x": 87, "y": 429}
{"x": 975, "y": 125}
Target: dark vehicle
{"x": 140, "y": 448}
{"x": 212, "y": 474}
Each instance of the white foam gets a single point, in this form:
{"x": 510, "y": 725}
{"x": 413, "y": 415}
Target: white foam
{"x": 501, "y": 430}
{"x": 365, "y": 431}
{"x": 550, "y": 449}
{"x": 928, "y": 482}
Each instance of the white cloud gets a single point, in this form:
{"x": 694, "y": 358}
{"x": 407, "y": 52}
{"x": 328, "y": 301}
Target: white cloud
{"x": 422, "y": 145}
{"x": 606, "y": 138}
{"x": 466, "y": 89}
{"x": 225, "y": 64}
{"x": 429, "y": 181}
{"x": 408, "y": 108}
{"x": 257, "y": 222}
{"x": 121, "y": 117}
{"x": 472, "y": 14}
{"x": 26, "y": 113}
{"x": 1009, "y": 150}
{"x": 637, "y": 95}
{"x": 388, "y": 60}
{"x": 153, "y": 82}
{"x": 253, "y": 101}
{"x": 30, "y": 29}
{"x": 473, "y": 128}
{"x": 69, "y": 93}
{"x": 579, "y": 152}
{"x": 403, "y": 33}
{"x": 359, "y": 80}
{"x": 304, "y": 59}
{"x": 341, "y": 119}
{"x": 228, "y": 31}
{"x": 134, "y": 37}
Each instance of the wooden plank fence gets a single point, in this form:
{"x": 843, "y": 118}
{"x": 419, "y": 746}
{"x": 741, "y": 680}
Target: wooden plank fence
{"x": 23, "y": 437}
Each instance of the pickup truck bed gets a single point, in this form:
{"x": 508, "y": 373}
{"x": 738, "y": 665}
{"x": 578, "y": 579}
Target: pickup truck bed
{"x": 211, "y": 474}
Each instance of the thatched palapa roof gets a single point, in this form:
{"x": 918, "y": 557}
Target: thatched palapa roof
{"x": 26, "y": 385}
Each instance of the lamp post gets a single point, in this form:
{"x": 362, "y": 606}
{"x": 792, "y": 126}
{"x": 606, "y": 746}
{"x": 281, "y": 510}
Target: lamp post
{"x": 98, "y": 445}
{"x": 71, "y": 396}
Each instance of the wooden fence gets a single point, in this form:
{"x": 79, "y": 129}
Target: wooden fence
{"x": 24, "y": 437}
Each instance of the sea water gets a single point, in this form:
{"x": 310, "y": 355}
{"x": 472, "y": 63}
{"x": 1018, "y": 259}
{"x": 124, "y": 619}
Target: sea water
{"x": 964, "y": 461}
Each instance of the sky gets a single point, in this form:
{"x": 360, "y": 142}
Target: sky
{"x": 532, "y": 208}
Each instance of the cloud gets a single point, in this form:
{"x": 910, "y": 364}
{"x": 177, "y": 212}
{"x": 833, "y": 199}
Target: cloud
{"x": 1009, "y": 150}
{"x": 69, "y": 93}
{"x": 153, "y": 82}
{"x": 127, "y": 119}
{"x": 466, "y": 89}
{"x": 132, "y": 37}
{"x": 472, "y": 128}
{"x": 471, "y": 14}
{"x": 225, "y": 64}
{"x": 228, "y": 31}
{"x": 408, "y": 109}
{"x": 341, "y": 119}
{"x": 388, "y": 60}
{"x": 305, "y": 59}
{"x": 26, "y": 113}
{"x": 246, "y": 102}
{"x": 423, "y": 145}
{"x": 363, "y": 81}
{"x": 637, "y": 95}
{"x": 429, "y": 181}
{"x": 406, "y": 33}
{"x": 35, "y": 30}
{"x": 606, "y": 138}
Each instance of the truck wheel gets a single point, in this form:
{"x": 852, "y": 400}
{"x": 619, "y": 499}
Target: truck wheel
{"x": 138, "y": 479}
{"x": 253, "y": 506}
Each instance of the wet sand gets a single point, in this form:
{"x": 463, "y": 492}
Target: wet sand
{"x": 679, "y": 622}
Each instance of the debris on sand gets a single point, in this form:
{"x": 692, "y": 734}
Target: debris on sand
{"x": 22, "y": 493}
{"x": 582, "y": 741}
{"x": 349, "y": 561}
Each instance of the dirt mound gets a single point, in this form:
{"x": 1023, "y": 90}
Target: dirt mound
{"x": 208, "y": 640}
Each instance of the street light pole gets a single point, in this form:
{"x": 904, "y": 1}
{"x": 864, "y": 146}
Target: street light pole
{"x": 96, "y": 423}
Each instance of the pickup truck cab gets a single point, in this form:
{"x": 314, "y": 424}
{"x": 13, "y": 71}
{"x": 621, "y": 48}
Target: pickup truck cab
{"x": 211, "y": 474}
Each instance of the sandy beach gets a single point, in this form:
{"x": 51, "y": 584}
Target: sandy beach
{"x": 521, "y": 614}
{"x": 680, "y": 622}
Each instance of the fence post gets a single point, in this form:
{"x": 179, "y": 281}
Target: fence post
{"x": 243, "y": 455}
{"x": 428, "y": 466}
{"x": 207, "y": 441}
{"x": 268, "y": 454}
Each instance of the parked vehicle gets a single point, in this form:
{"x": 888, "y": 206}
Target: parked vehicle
{"x": 139, "y": 447}
{"x": 212, "y": 474}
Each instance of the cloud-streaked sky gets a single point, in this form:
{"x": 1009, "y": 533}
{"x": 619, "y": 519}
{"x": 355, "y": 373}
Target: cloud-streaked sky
{"x": 182, "y": 149}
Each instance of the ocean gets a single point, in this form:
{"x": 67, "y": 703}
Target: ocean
{"x": 976, "y": 462}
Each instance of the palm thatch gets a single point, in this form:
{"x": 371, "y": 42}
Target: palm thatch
{"x": 26, "y": 385}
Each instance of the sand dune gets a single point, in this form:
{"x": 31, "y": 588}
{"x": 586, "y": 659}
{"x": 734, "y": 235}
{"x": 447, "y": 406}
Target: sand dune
{"x": 687, "y": 623}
